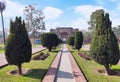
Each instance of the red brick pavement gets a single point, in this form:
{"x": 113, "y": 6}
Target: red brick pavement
{"x": 52, "y": 71}
{"x": 79, "y": 77}
{"x": 51, "y": 74}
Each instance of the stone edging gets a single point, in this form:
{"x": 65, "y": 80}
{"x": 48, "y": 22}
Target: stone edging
{"x": 52, "y": 71}
{"x": 78, "y": 74}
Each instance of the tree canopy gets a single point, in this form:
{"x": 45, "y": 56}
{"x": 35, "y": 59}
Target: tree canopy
{"x": 104, "y": 46}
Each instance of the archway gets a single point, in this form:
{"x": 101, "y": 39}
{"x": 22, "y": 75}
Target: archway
{"x": 64, "y": 36}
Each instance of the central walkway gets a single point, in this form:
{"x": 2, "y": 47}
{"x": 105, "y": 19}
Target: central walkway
{"x": 64, "y": 73}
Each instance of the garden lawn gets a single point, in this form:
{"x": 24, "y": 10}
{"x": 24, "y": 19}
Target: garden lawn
{"x": 1, "y": 48}
{"x": 90, "y": 69}
{"x": 35, "y": 45}
{"x": 39, "y": 69}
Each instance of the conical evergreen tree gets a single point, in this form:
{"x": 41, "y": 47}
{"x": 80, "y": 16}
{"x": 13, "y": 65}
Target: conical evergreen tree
{"x": 78, "y": 40}
{"x": 18, "y": 47}
{"x": 70, "y": 40}
{"x": 104, "y": 46}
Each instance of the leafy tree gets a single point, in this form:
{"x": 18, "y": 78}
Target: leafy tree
{"x": 34, "y": 20}
{"x": 71, "y": 40}
{"x": 2, "y": 8}
{"x": 104, "y": 46}
{"x": 18, "y": 47}
{"x": 78, "y": 40}
{"x": 49, "y": 40}
{"x": 92, "y": 21}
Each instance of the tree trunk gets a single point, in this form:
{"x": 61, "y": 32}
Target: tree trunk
{"x": 49, "y": 49}
{"x": 3, "y": 27}
{"x": 108, "y": 69}
{"x": 19, "y": 69}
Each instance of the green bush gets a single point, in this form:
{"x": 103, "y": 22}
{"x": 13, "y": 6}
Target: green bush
{"x": 78, "y": 40}
{"x": 18, "y": 47}
{"x": 70, "y": 40}
{"x": 49, "y": 40}
{"x": 104, "y": 46}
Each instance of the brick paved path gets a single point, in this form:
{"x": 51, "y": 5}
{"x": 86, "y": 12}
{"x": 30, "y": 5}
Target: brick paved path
{"x": 3, "y": 61}
{"x": 68, "y": 70}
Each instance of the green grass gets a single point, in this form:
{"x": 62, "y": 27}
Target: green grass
{"x": 90, "y": 69}
{"x": 39, "y": 69}
{"x": 1, "y": 48}
{"x": 35, "y": 45}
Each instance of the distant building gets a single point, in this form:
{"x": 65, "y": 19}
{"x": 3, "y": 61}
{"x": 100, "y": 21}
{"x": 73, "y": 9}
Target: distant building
{"x": 64, "y": 32}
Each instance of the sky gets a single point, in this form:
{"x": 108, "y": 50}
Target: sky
{"x": 63, "y": 13}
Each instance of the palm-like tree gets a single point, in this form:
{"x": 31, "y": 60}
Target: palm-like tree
{"x": 2, "y": 8}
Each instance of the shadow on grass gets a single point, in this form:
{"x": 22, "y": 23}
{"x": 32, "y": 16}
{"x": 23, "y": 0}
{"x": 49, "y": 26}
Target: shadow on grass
{"x": 36, "y": 73}
{"x": 54, "y": 51}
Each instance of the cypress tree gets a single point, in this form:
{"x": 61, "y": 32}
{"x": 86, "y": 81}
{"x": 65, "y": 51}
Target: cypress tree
{"x": 70, "y": 40}
{"x": 78, "y": 40}
{"x": 18, "y": 47}
{"x": 104, "y": 46}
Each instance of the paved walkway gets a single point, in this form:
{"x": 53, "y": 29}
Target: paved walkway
{"x": 3, "y": 61}
{"x": 64, "y": 69}
{"x": 64, "y": 73}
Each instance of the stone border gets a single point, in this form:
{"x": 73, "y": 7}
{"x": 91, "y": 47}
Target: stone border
{"x": 52, "y": 71}
{"x": 78, "y": 74}
{"x": 4, "y": 65}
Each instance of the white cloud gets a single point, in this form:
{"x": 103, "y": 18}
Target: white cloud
{"x": 13, "y": 9}
{"x": 80, "y": 23}
{"x": 52, "y": 25}
{"x": 52, "y": 13}
{"x": 86, "y": 10}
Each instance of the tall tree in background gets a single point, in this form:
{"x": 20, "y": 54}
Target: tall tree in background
{"x": 78, "y": 40}
{"x": 34, "y": 20}
{"x": 18, "y": 47}
{"x": 70, "y": 40}
{"x": 2, "y": 8}
{"x": 104, "y": 46}
{"x": 92, "y": 22}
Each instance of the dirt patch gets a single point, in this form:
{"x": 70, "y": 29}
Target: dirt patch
{"x": 102, "y": 71}
{"x": 111, "y": 72}
{"x": 85, "y": 56}
{"x": 15, "y": 72}
{"x": 41, "y": 56}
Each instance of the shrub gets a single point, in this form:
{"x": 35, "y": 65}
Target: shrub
{"x": 18, "y": 47}
{"x": 78, "y": 40}
{"x": 70, "y": 41}
{"x": 104, "y": 46}
{"x": 49, "y": 40}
